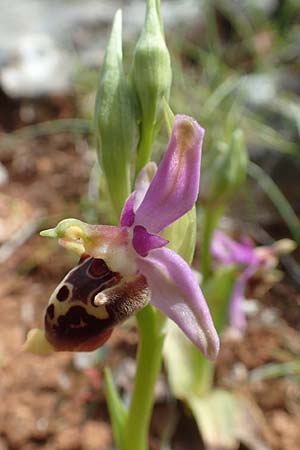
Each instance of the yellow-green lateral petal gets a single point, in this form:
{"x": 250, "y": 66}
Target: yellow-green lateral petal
{"x": 37, "y": 343}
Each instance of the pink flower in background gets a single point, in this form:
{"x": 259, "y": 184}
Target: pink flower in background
{"x": 252, "y": 259}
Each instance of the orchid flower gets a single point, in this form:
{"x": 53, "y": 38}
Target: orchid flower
{"x": 123, "y": 268}
{"x": 251, "y": 259}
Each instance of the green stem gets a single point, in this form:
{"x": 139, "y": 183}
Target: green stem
{"x": 211, "y": 218}
{"x": 148, "y": 367}
{"x": 144, "y": 147}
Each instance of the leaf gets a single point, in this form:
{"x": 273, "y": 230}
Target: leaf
{"x": 277, "y": 198}
{"x": 288, "y": 107}
{"x": 259, "y": 133}
{"x": 188, "y": 370}
{"x": 225, "y": 419}
{"x": 217, "y": 291}
{"x": 46, "y": 128}
{"x": 117, "y": 410}
{"x": 217, "y": 415}
{"x": 275, "y": 370}
{"x": 225, "y": 88}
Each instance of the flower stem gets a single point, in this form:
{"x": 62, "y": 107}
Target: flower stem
{"x": 148, "y": 367}
{"x": 211, "y": 218}
{"x": 144, "y": 147}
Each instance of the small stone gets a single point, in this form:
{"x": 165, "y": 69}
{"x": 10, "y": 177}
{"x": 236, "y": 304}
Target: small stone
{"x": 68, "y": 439}
{"x": 96, "y": 436}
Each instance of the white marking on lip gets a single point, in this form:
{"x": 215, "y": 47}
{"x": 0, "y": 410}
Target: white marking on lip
{"x": 100, "y": 299}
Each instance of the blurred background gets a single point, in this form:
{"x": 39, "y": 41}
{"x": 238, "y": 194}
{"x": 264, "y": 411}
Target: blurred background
{"x": 236, "y": 64}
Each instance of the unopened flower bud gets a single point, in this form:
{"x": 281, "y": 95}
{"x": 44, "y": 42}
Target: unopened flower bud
{"x": 284, "y": 246}
{"x": 151, "y": 77}
{"x": 115, "y": 122}
{"x": 228, "y": 169}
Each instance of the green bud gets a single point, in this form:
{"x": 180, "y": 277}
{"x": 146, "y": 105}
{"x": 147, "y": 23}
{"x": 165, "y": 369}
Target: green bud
{"x": 115, "y": 122}
{"x": 228, "y": 169}
{"x": 151, "y": 78}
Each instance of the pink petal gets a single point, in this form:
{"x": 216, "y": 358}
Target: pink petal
{"x": 176, "y": 293}
{"x": 237, "y": 317}
{"x": 175, "y": 186}
{"x": 228, "y": 251}
{"x": 127, "y": 215}
{"x": 143, "y": 241}
{"x": 143, "y": 182}
{"x": 134, "y": 200}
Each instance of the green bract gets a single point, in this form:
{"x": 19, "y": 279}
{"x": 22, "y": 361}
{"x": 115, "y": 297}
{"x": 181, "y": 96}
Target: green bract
{"x": 115, "y": 123}
{"x": 151, "y": 78}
